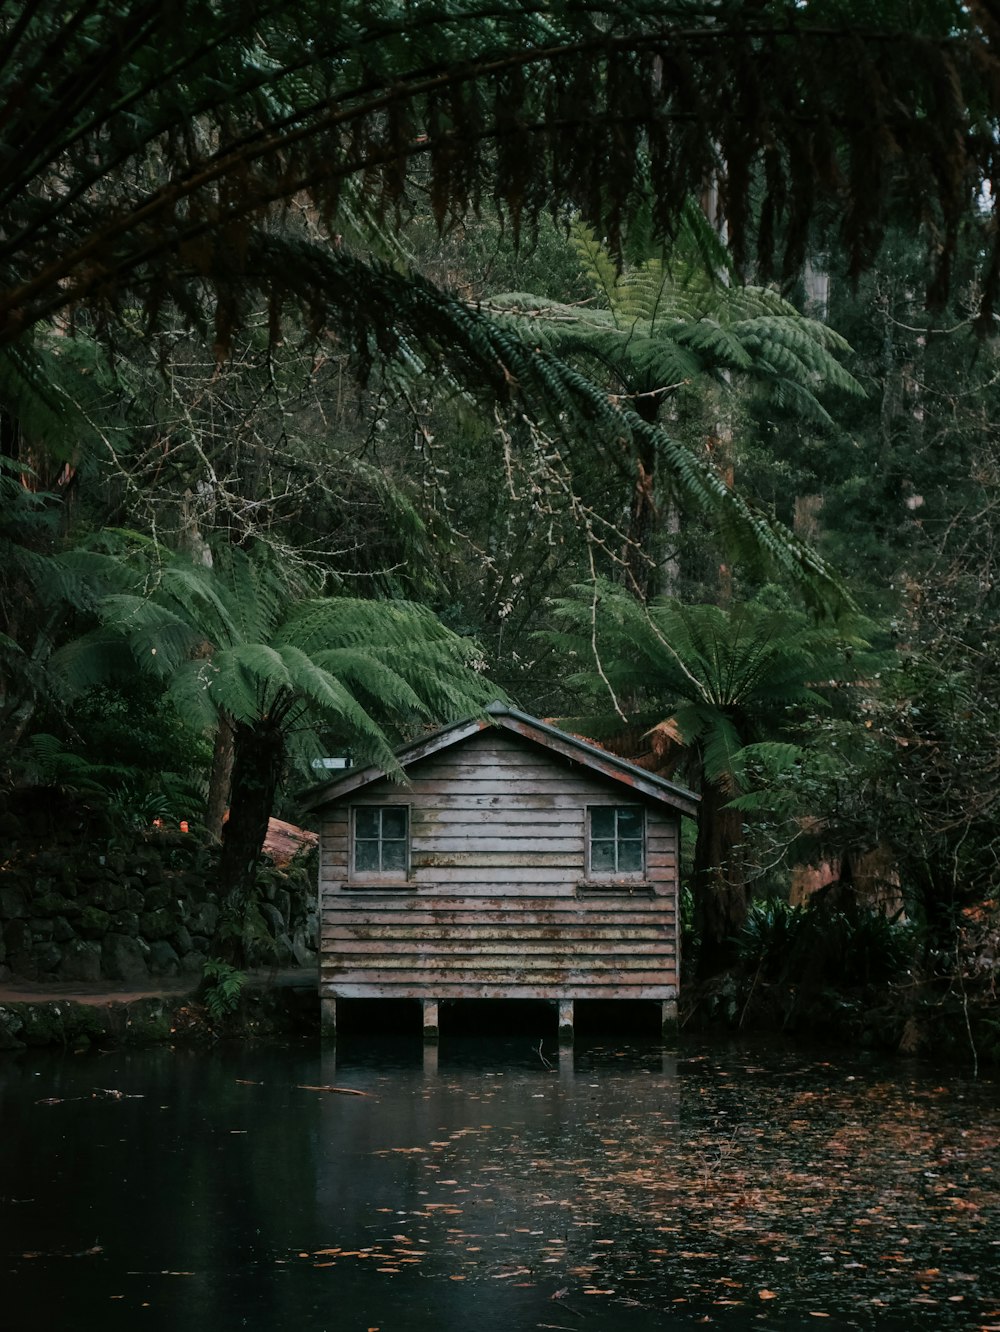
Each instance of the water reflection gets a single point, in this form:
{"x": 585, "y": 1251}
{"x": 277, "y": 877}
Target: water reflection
{"x": 494, "y": 1184}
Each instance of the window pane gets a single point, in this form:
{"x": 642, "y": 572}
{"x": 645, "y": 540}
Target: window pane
{"x": 629, "y": 822}
{"x": 394, "y": 821}
{"x": 366, "y": 822}
{"x": 365, "y": 855}
{"x": 602, "y": 822}
{"x": 629, "y": 857}
{"x": 602, "y": 857}
{"x": 394, "y": 855}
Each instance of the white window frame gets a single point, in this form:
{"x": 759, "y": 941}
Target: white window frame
{"x": 375, "y": 878}
{"x": 617, "y": 875}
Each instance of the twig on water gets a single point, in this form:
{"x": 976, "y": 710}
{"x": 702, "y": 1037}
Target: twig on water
{"x": 344, "y": 1091}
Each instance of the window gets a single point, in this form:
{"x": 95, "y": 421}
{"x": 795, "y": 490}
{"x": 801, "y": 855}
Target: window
{"x": 617, "y": 841}
{"x": 381, "y": 840}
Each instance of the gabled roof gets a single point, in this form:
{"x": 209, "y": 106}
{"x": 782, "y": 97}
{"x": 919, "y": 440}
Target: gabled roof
{"x": 528, "y": 728}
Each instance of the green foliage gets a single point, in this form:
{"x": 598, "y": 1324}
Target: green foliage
{"x": 709, "y": 679}
{"x": 770, "y": 938}
{"x": 667, "y": 323}
{"x": 43, "y": 760}
{"x": 816, "y": 945}
{"x": 245, "y": 639}
{"x": 202, "y": 122}
{"x": 222, "y": 986}
{"x": 704, "y": 684}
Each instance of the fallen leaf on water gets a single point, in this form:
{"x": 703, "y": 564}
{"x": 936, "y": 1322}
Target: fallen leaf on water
{"x": 766, "y": 1295}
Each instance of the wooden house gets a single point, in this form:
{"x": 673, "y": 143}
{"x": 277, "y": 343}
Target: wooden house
{"x": 516, "y": 862}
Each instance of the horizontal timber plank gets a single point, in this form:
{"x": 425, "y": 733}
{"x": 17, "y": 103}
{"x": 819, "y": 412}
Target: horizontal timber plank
{"x": 497, "y": 840}
{"x": 512, "y": 863}
{"x": 445, "y": 886}
{"x": 593, "y": 913}
{"x": 488, "y": 896}
{"x": 523, "y": 769}
{"x": 509, "y": 965}
{"x": 610, "y": 934}
{"x": 500, "y": 797}
{"x": 432, "y": 982}
{"x": 516, "y": 841}
{"x": 426, "y": 817}
{"x": 513, "y": 759}
{"x": 592, "y": 918}
{"x": 474, "y": 783}
{"x": 366, "y": 990}
{"x": 486, "y": 942}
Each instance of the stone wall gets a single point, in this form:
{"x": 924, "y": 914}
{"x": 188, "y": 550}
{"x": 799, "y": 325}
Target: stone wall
{"x": 77, "y": 904}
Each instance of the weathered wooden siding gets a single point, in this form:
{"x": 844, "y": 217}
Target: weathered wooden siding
{"x": 496, "y": 904}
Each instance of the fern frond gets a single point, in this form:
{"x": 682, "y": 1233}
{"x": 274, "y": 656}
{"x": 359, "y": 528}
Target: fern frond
{"x": 596, "y": 262}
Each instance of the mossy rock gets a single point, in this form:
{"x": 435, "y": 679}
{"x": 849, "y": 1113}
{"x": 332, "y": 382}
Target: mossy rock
{"x": 55, "y": 904}
{"x": 149, "y": 1021}
{"x": 150, "y": 870}
{"x": 82, "y": 1025}
{"x": 126, "y": 922}
{"x": 111, "y": 896}
{"x": 157, "y": 898}
{"x": 124, "y": 958}
{"x": 11, "y": 1026}
{"x": 43, "y": 1024}
{"x": 93, "y": 922}
{"x": 46, "y": 958}
{"x": 13, "y": 903}
{"x": 81, "y": 961}
{"x": 158, "y": 924}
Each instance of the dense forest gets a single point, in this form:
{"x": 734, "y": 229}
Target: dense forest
{"x": 361, "y": 364}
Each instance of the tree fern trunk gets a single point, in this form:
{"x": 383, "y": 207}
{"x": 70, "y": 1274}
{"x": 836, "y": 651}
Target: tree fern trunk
{"x": 258, "y": 766}
{"x": 639, "y": 557}
{"x": 720, "y": 897}
{"x": 221, "y": 778}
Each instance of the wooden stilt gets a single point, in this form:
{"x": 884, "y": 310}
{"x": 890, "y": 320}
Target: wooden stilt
{"x": 668, "y": 1018}
{"x": 430, "y": 1021}
{"x": 328, "y": 1018}
{"x": 565, "y": 1021}
{"x": 566, "y": 1064}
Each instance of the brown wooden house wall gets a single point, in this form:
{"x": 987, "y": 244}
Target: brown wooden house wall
{"x": 496, "y": 903}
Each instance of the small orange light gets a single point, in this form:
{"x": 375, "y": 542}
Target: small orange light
{"x": 184, "y": 825}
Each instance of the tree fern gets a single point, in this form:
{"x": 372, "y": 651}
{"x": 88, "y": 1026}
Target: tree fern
{"x": 234, "y": 641}
{"x": 710, "y": 687}
{"x": 669, "y": 332}
{"x": 174, "y": 130}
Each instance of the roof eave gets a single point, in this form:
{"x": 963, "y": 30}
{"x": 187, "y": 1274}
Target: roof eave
{"x": 529, "y": 728}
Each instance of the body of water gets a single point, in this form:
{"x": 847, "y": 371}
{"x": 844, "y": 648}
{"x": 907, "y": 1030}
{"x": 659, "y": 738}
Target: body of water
{"x": 494, "y": 1186}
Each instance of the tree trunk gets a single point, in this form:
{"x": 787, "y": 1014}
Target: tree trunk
{"x": 720, "y": 896}
{"x": 639, "y": 568}
{"x": 258, "y": 767}
{"x": 221, "y": 779}
{"x": 640, "y": 553}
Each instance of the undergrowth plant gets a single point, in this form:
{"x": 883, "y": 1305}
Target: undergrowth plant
{"x": 222, "y": 987}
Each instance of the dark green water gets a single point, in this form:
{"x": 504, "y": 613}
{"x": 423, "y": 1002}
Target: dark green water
{"x": 626, "y": 1188}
